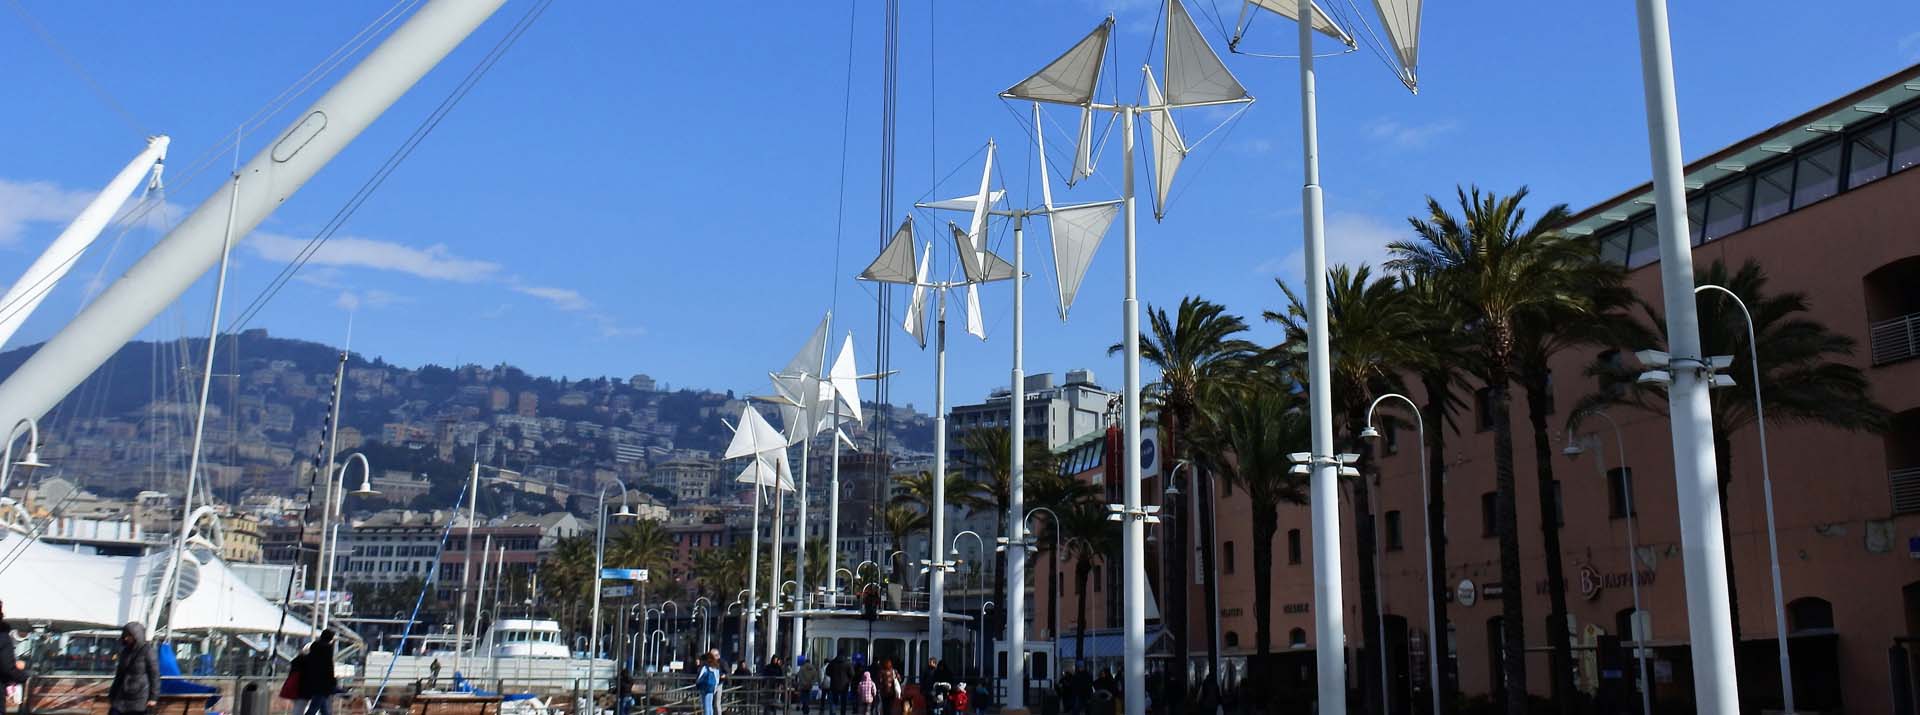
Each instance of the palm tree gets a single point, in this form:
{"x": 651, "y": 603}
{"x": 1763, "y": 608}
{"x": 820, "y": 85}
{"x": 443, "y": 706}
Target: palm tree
{"x": 1090, "y": 538}
{"x": 1798, "y": 380}
{"x": 1595, "y": 315}
{"x": 1197, "y": 351}
{"x": 1443, "y": 343}
{"x": 990, "y": 450}
{"x": 1499, "y": 268}
{"x": 901, "y": 522}
{"x": 722, "y": 572}
{"x": 642, "y": 544}
{"x": 1245, "y": 438}
{"x": 916, "y": 490}
{"x": 568, "y": 575}
{"x": 1373, "y": 327}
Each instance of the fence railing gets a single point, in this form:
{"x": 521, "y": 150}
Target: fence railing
{"x": 1895, "y": 339}
{"x": 1904, "y": 486}
{"x": 649, "y": 694}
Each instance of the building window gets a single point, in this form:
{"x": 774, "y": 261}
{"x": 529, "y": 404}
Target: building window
{"x": 1868, "y": 154}
{"x": 1646, "y": 243}
{"x": 1619, "y": 484}
{"x": 1727, "y": 208}
{"x": 1816, "y": 174}
{"x": 1233, "y": 639}
{"x": 1488, "y": 506}
{"x": 1293, "y": 546}
{"x": 1393, "y": 531}
{"x": 1906, "y": 140}
{"x": 1226, "y": 558}
{"x": 1297, "y": 638}
{"x": 1809, "y": 614}
{"x": 1623, "y": 623}
{"x": 1772, "y": 192}
{"x": 1613, "y": 247}
{"x": 1696, "y": 219}
{"x": 1483, "y": 408}
{"x": 1392, "y": 436}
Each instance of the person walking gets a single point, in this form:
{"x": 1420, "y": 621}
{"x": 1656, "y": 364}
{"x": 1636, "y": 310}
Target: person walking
{"x": 868, "y": 694}
{"x": 317, "y": 682}
{"x": 136, "y": 674}
{"x": 889, "y": 688}
{"x": 961, "y": 702}
{"x": 839, "y": 684}
{"x": 12, "y": 671}
{"x": 708, "y": 683}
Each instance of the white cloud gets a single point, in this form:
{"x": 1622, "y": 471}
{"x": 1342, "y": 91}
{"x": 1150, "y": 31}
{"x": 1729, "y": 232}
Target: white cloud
{"x": 611, "y": 328}
{"x": 31, "y": 202}
{"x": 351, "y": 301}
{"x": 566, "y": 299}
{"x": 1352, "y": 239}
{"x": 1256, "y": 147}
{"x": 436, "y": 262}
{"x": 1409, "y": 136}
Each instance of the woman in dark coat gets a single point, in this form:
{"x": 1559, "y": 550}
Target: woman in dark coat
{"x": 317, "y": 683}
{"x": 136, "y": 674}
{"x": 10, "y": 674}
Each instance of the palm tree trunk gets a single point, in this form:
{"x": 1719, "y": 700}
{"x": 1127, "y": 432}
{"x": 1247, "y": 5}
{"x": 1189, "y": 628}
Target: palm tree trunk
{"x": 1175, "y": 535}
{"x": 1364, "y": 545}
{"x": 1723, "y": 466}
{"x": 1560, "y": 655}
{"x": 1266, "y": 523}
{"x": 1507, "y": 524}
{"x": 1433, "y": 413}
{"x": 1081, "y": 569}
{"x": 1210, "y": 690}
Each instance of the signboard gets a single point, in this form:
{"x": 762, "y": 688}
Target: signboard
{"x": 624, "y": 574}
{"x": 1149, "y": 452}
{"x": 1296, "y": 607}
{"x": 1466, "y": 593}
{"x": 335, "y": 597}
{"x": 1492, "y": 591}
{"x": 616, "y": 591}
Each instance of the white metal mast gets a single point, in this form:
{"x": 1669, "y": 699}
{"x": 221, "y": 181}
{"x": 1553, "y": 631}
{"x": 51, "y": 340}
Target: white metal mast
{"x": 53, "y": 264}
{"x": 279, "y": 170}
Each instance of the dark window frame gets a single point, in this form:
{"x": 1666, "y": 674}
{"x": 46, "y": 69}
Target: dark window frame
{"x": 1293, "y": 547}
{"x": 1393, "y": 531}
{"x": 1489, "y": 514}
{"x": 1619, "y": 486}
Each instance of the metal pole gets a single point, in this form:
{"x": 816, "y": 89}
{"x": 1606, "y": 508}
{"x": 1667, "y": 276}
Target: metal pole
{"x": 1329, "y": 629}
{"x": 1709, "y": 621}
{"x": 936, "y": 573}
{"x": 1016, "y": 497}
{"x": 327, "y": 543}
{"x": 749, "y": 610}
{"x": 466, "y": 574}
{"x": 1133, "y": 528}
{"x": 833, "y": 509}
{"x": 1766, "y": 489}
{"x": 779, "y": 540}
{"x": 1633, "y": 554}
{"x": 200, "y": 418}
{"x": 599, "y": 562}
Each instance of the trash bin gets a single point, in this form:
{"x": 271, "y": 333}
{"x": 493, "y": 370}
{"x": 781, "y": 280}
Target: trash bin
{"x": 255, "y": 700}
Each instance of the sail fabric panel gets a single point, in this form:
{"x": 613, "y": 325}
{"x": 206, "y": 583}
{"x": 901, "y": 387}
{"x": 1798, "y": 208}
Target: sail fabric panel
{"x": 845, "y": 379}
{"x": 1168, "y": 149}
{"x": 1322, "y": 22}
{"x": 1070, "y": 78}
{"x": 975, "y": 326}
{"x": 1401, "y": 18}
{"x": 895, "y": 264}
{"x": 977, "y": 264}
{"x": 1082, "y": 148}
{"x": 964, "y": 203}
{"x": 753, "y": 435}
{"x": 916, "y": 319}
{"x": 812, "y": 356}
{"x": 1076, "y": 232}
{"x": 763, "y": 473}
{"x": 94, "y": 591}
{"x": 1195, "y": 73}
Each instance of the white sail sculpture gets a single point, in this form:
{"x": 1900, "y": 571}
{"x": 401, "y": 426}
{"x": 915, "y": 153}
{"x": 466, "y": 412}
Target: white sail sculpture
{"x": 841, "y": 390}
{"x": 754, "y": 437}
{"x": 974, "y": 258}
{"x": 803, "y": 414}
{"x": 1402, "y": 19}
{"x": 1195, "y": 77}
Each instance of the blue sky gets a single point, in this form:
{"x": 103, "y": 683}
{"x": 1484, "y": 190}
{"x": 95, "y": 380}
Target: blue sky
{"x": 656, "y": 187}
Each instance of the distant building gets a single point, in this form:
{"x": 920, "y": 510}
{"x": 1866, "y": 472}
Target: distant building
{"x": 498, "y": 399}
{"x": 528, "y": 405}
{"x": 390, "y": 547}
{"x": 641, "y": 382}
{"x": 689, "y": 478}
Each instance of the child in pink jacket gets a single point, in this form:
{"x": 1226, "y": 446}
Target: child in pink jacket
{"x": 867, "y": 690}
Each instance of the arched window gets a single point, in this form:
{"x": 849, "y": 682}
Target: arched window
{"x": 1809, "y": 614}
{"x": 1297, "y": 638}
{"x": 1233, "y": 639}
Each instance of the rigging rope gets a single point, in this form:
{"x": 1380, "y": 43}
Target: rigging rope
{"x": 392, "y": 163}
{"x": 99, "y": 91}
{"x": 846, "y": 120}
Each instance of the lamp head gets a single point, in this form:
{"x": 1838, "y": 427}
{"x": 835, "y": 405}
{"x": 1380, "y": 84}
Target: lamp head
{"x": 366, "y": 489}
{"x": 31, "y": 460}
{"x": 624, "y": 511}
{"x": 1573, "y": 450}
{"x": 1370, "y": 433}
{"x": 1173, "y": 488}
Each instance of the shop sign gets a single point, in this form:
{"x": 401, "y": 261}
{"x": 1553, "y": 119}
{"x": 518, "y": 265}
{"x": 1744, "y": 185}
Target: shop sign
{"x": 1466, "y": 593}
{"x": 1295, "y": 608}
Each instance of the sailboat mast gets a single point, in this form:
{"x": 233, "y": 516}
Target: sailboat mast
{"x": 200, "y": 417}
{"x": 466, "y": 565}
{"x": 329, "y": 532}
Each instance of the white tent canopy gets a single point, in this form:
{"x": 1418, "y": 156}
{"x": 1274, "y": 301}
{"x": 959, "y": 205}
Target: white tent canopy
{"x": 92, "y": 591}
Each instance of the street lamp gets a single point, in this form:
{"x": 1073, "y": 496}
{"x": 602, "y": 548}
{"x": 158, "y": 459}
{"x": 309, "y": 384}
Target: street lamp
{"x": 1574, "y": 450}
{"x": 330, "y": 546}
{"x": 672, "y": 647}
{"x": 1766, "y": 486}
{"x": 599, "y": 566}
{"x": 33, "y": 451}
{"x": 1433, "y": 633}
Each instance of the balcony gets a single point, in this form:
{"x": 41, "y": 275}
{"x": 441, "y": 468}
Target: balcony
{"x": 1895, "y": 339}
{"x": 1904, "y": 485}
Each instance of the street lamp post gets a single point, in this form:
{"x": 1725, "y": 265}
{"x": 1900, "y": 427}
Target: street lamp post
{"x": 673, "y": 647}
{"x": 972, "y": 576}
{"x": 1573, "y": 450}
{"x": 1053, "y": 585}
{"x": 331, "y": 547}
{"x": 33, "y": 451}
{"x": 599, "y": 564}
{"x": 1433, "y": 634}
{"x": 1766, "y": 488}
{"x": 1709, "y": 615}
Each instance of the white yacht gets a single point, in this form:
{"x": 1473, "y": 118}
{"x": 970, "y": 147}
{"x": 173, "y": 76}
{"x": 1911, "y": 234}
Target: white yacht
{"x": 514, "y": 653}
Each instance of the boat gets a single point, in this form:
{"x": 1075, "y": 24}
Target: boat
{"x": 514, "y": 653}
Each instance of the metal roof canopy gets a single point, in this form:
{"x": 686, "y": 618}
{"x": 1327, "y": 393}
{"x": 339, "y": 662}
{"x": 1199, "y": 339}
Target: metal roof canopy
{"x": 1862, "y": 105}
